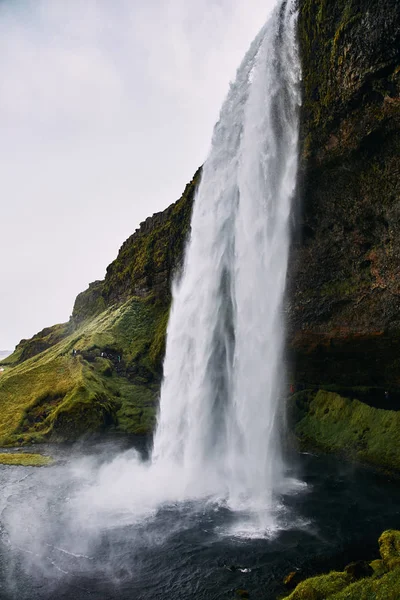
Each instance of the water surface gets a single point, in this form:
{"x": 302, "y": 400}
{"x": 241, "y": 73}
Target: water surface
{"x": 183, "y": 551}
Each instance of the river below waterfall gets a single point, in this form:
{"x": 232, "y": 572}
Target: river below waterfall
{"x": 182, "y": 551}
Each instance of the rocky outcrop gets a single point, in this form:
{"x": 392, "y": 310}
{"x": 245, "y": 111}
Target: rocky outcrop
{"x": 146, "y": 262}
{"x": 40, "y": 342}
{"x": 357, "y": 424}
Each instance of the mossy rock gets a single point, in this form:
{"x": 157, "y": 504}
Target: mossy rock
{"x": 378, "y": 567}
{"x": 70, "y": 389}
{"x": 346, "y": 426}
{"x": 24, "y": 459}
{"x": 389, "y": 548}
{"x": 343, "y": 284}
{"x": 321, "y": 587}
{"x": 382, "y": 582}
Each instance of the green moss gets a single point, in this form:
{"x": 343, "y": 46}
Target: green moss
{"x": 389, "y": 548}
{"x": 25, "y": 460}
{"x": 152, "y": 253}
{"x": 157, "y": 346}
{"x": 378, "y": 566}
{"x": 89, "y": 303}
{"x": 337, "y": 586}
{"x": 382, "y": 588}
{"x": 320, "y": 588}
{"x": 344, "y": 425}
{"x": 55, "y": 395}
{"x": 133, "y": 331}
{"x": 384, "y": 584}
{"x": 339, "y": 289}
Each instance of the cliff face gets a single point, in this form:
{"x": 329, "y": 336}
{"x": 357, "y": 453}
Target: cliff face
{"x": 344, "y": 317}
{"x": 344, "y": 288}
{"x": 146, "y": 261}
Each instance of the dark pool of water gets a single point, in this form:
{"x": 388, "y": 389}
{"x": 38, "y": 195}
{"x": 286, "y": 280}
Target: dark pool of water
{"x": 186, "y": 552}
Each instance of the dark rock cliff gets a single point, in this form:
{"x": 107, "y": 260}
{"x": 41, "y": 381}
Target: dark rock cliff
{"x": 344, "y": 289}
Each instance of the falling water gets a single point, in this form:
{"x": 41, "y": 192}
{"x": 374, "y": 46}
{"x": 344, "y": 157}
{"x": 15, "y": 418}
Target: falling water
{"x": 218, "y": 430}
{"x": 223, "y": 369}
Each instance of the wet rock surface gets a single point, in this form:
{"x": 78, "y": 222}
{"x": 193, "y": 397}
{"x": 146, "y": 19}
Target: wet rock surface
{"x": 344, "y": 289}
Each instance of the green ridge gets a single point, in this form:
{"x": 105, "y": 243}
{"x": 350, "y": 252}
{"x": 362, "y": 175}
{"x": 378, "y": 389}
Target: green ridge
{"x": 55, "y": 395}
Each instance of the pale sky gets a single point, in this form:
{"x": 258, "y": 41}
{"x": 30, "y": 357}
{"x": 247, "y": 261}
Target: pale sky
{"x": 106, "y": 111}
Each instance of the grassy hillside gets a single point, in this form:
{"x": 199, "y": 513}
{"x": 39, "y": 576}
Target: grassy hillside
{"x": 111, "y": 380}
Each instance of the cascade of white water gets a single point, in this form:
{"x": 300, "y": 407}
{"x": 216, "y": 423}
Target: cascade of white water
{"x": 223, "y": 369}
{"x": 217, "y": 436}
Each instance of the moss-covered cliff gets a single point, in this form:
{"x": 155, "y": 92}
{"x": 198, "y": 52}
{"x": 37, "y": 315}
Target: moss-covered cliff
{"x": 344, "y": 317}
{"x": 102, "y": 370}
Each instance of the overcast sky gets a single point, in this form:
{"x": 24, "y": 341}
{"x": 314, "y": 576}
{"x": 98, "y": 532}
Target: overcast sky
{"x": 106, "y": 111}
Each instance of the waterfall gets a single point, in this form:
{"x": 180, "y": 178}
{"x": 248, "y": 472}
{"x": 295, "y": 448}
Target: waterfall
{"x": 223, "y": 370}
{"x": 216, "y": 446}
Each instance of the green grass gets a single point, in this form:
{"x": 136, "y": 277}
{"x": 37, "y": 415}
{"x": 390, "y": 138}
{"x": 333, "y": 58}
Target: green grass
{"x": 54, "y": 395}
{"x": 384, "y": 584}
{"x": 25, "y": 460}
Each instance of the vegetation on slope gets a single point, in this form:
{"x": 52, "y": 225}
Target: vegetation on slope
{"x": 105, "y": 374}
{"x": 345, "y": 425}
{"x": 382, "y": 584}
{"x": 146, "y": 262}
{"x": 102, "y": 369}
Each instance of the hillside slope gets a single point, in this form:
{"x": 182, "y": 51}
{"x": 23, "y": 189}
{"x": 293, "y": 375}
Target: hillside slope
{"x": 102, "y": 369}
{"x": 345, "y": 287}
